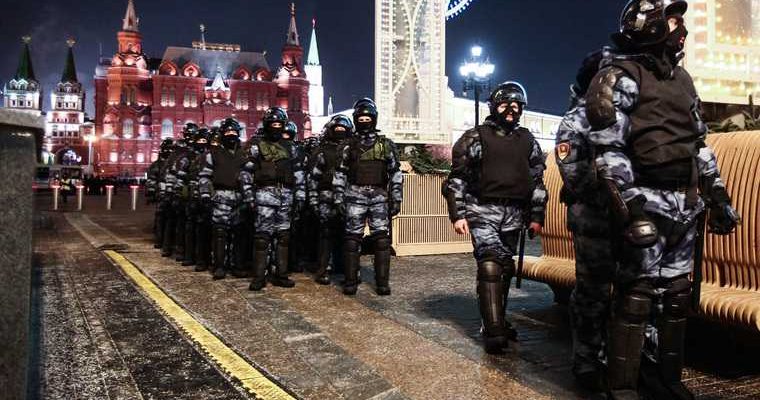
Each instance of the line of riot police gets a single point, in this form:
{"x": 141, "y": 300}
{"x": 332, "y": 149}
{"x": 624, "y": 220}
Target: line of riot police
{"x": 235, "y": 208}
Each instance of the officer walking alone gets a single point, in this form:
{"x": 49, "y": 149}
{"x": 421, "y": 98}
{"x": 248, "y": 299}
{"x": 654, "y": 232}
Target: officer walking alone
{"x": 495, "y": 186}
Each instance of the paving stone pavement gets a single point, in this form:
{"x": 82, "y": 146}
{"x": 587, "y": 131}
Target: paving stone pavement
{"x": 422, "y": 342}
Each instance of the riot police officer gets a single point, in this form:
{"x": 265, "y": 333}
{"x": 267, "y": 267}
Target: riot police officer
{"x": 368, "y": 188}
{"x": 273, "y": 187}
{"x": 174, "y": 227}
{"x": 331, "y": 223}
{"x": 193, "y": 213}
{"x": 219, "y": 187}
{"x": 588, "y": 220}
{"x": 178, "y": 182}
{"x": 153, "y": 190}
{"x": 646, "y": 126}
{"x": 494, "y": 188}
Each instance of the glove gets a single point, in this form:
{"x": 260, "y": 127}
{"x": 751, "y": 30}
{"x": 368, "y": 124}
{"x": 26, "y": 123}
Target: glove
{"x": 206, "y": 202}
{"x": 394, "y": 208}
{"x": 640, "y": 231}
{"x": 723, "y": 219}
{"x": 340, "y": 208}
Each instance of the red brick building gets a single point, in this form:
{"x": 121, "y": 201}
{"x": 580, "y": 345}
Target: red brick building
{"x": 139, "y": 100}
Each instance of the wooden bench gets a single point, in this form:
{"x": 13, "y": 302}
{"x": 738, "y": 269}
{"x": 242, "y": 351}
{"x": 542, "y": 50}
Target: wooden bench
{"x": 731, "y": 266}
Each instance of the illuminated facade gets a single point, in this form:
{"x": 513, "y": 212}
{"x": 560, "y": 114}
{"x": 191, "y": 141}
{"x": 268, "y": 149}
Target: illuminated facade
{"x": 24, "y": 92}
{"x": 140, "y": 100}
{"x": 63, "y": 125}
{"x": 410, "y": 80}
{"x": 723, "y": 49}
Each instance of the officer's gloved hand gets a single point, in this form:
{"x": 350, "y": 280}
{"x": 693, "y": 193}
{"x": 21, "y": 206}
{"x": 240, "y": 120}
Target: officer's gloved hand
{"x": 640, "y": 231}
{"x": 723, "y": 219}
{"x": 314, "y": 205}
{"x": 394, "y": 208}
{"x": 252, "y": 207}
{"x": 340, "y": 208}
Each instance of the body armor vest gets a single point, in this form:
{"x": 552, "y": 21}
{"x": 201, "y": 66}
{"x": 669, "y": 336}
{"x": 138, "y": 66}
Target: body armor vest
{"x": 330, "y": 155}
{"x": 196, "y": 164}
{"x": 368, "y": 166}
{"x": 275, "y": 165}
{"x": 505, "y": 165}
{"x": 663, "y": 132}
{"x": 227, "y": 165}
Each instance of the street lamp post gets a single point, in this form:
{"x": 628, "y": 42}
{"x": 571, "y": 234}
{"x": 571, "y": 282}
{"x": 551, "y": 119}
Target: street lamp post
{"x": 476, "y": 73}
{"x": 90, "y": 140}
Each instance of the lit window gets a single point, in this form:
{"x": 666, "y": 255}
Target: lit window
{"x": 127, "y": 128}
{"x": 140, "y": 157}
{"x": 167, "y": 128}
{"x": 113, "y": 156}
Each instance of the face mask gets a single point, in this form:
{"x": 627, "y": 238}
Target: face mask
{"x": 365, "y": 126}
{"x": 674, "y": 44}
{"x": 501, "y": 118}
{"x": 230, "y": 141}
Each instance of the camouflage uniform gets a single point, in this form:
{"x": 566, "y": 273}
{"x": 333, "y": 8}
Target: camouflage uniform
{"x": 366, "y": 199}
{"x": 331, "y": 221}
{"x": 273, "y": 181}
{"x": 177, "y": 184}
{"x": 171, "y": 201}
{"x": 652, "y": 284}
{"x": 153, "y": 193}
{"x": 589, "y": 221}
{"x": 494, "y": 223}
{"x": 222, "y": 192}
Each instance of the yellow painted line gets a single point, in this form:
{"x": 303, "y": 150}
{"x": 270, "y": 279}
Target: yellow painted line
{"x": 252, "y": 380}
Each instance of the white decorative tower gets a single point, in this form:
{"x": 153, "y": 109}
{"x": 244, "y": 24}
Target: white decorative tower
{"x": 23, "y": 92}
{"x": 314, "y": 74}
{"x": 66, "y": 116}
{"x": 410, "y": 80}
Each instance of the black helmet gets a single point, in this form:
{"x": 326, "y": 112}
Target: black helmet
{"x": 189, "y": 131}
{"x": 275, "y": 114}
{"x": 508, "y": 92}
{"x": 202, "y": 138}
{"x": 339, "y": 121}
{"x": 365, "y": 108}
{"x": 166, "y": 144}
{"x": 291, "y": 131}
{"x": 645, "y": 22}
{"x": 230, "y": 124}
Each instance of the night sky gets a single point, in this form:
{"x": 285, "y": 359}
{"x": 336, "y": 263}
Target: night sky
{"x": 538, "y": 42}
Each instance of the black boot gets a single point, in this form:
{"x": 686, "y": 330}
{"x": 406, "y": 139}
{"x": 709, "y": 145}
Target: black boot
{"x": 382, "y": 265}
{"x": 189, "y": 241}
{"x": 509, "y": 273}
{"x": 158, "y": 227}
{"x": 220, "y": 252}
{"x": 671, "y": 328}
{"x": 626, "y": 340}
{"x": 491, "y": 303}
{"x": 324, "y": 249}
{"x": 280, "y": 277}
{"x": 202, "y": 245}
{"x": 241, "y": 248}
{"x": 261, "y": 250}
{"x": 351, "y": 254}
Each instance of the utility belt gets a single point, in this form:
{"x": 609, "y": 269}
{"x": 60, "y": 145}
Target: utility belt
{"x": 675, "y": 185}
{"x": 275, "y": 184}
{"x": 503, "y": 201}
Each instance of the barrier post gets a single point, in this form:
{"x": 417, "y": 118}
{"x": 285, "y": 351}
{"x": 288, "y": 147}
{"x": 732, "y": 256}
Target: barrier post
{"x": 80, "y": 196}
{"x": 134, "y": 188}
{"x": 109, "y": 196}
{"x": 56, "y": 192}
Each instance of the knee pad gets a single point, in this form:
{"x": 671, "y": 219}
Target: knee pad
{"x": 635, "y": 307}
{"x": 677, "y": 298}
{"x": 382, "y": 243}
{"x": 283, "y": 238}
{"x": 491, "y": 255}
{"x": 490, "y": 271}
{"x": 260, "y": 243}
{"x": 353, "y": 244}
